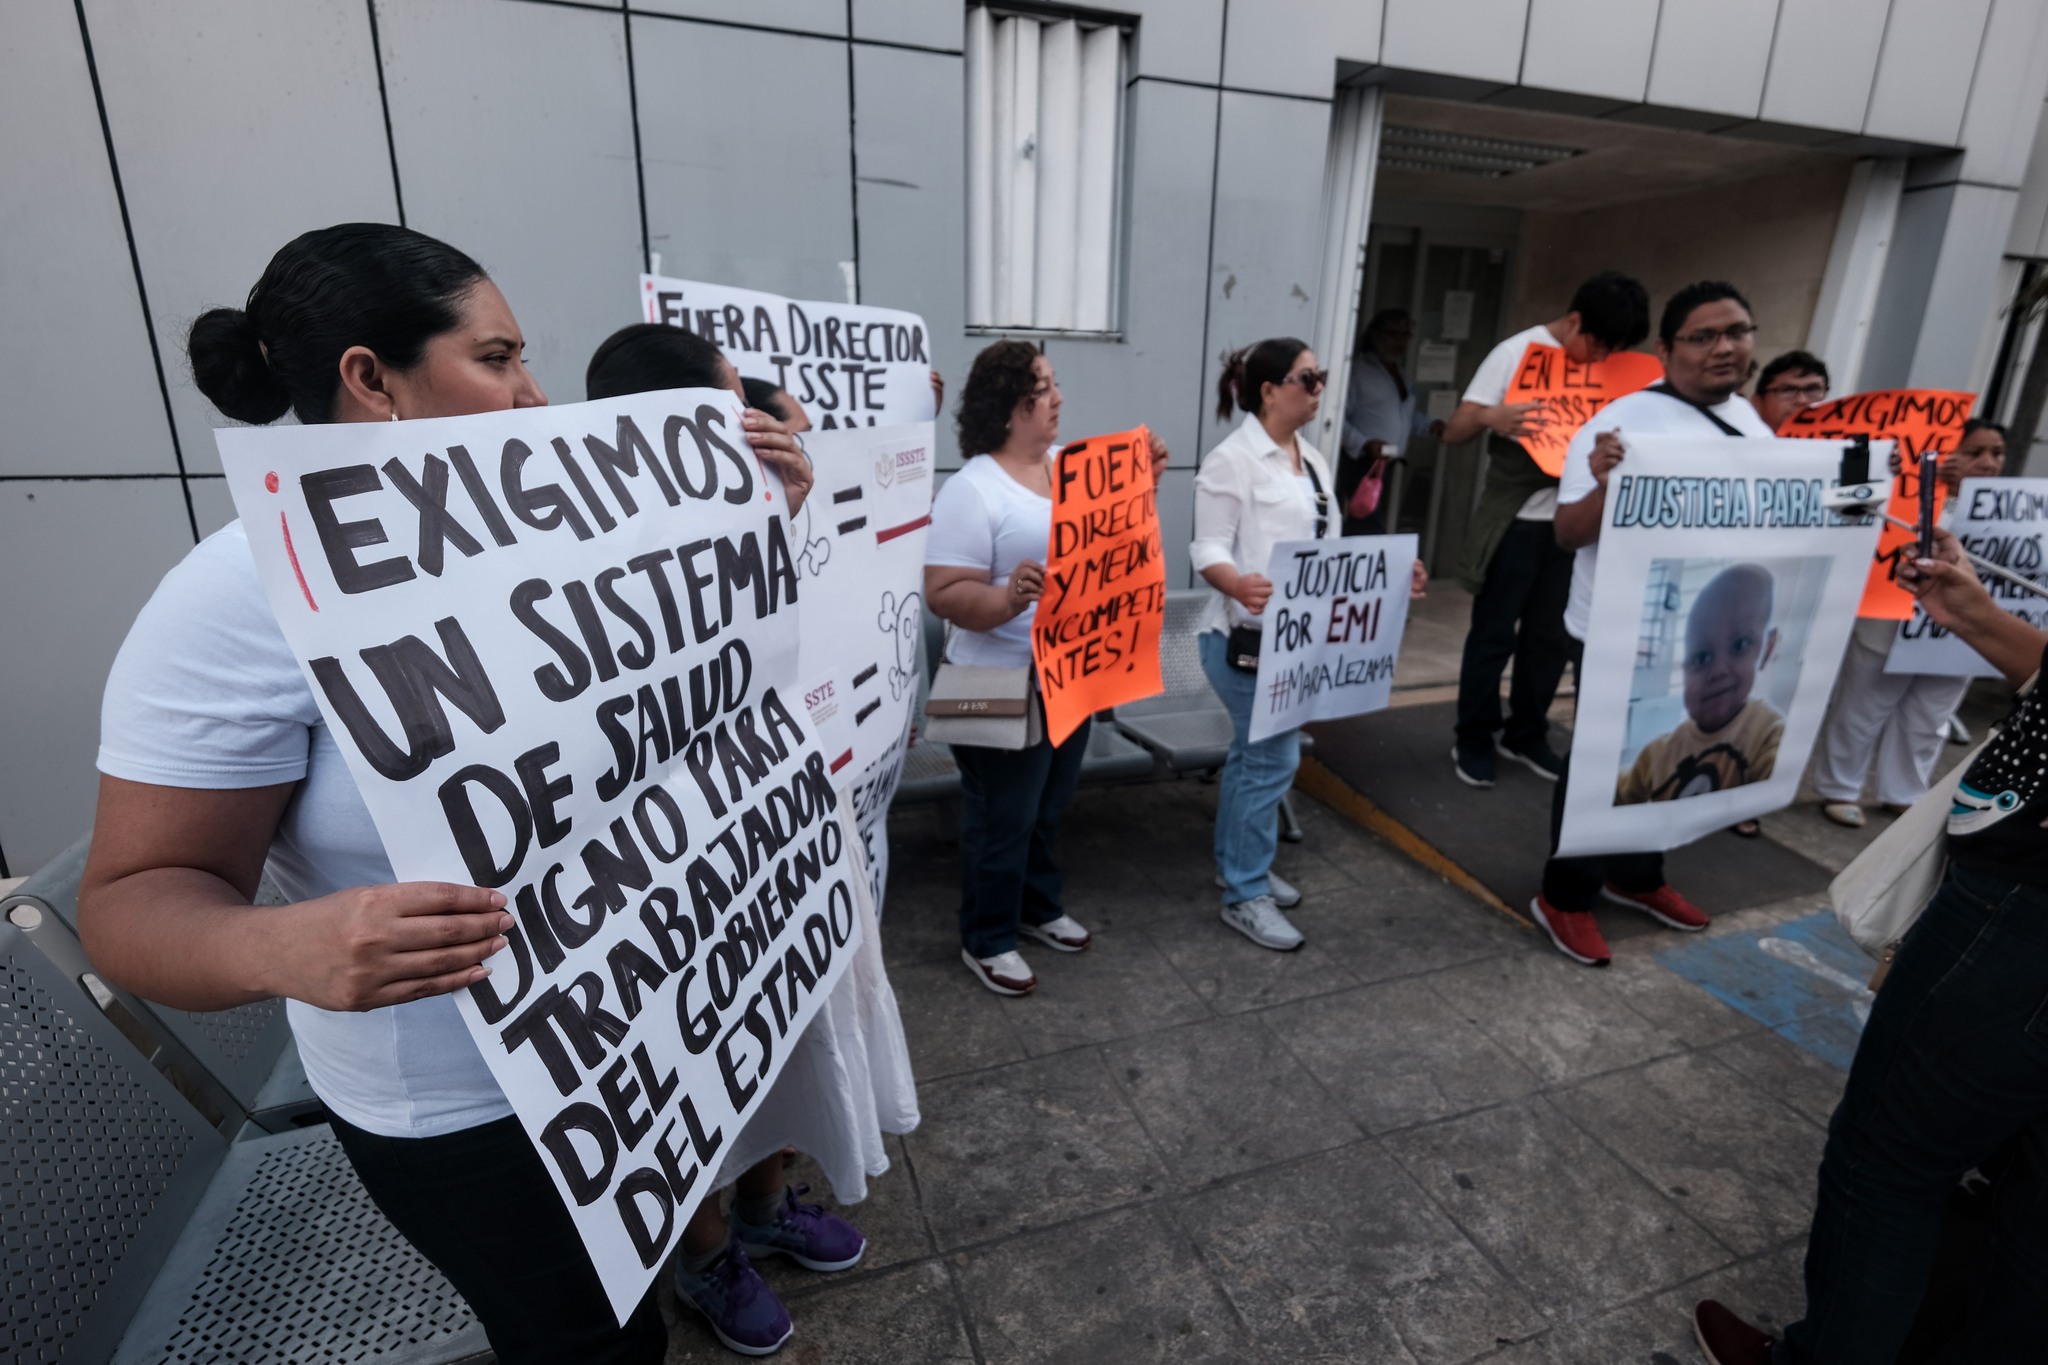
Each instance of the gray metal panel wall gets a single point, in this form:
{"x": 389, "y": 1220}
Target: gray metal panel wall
{"x": 1712, "y": 55}
{"x": 1925, "y": 70}
{"x": 514, "y": 132}
{"x": 805, "y": 16}
{"x": 1479, "y": 39}
{"x": 1593, "y": 47}
{"x": 1823, "y": 60}
{"x": 1293, "y": 46}
{"x": 239, "y": 124}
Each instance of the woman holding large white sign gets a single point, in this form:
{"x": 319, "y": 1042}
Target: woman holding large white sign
{"x": 217, "y": 764}
{"x": 1264, "y": 484}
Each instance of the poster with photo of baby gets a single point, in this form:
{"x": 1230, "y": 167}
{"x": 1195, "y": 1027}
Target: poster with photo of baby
{"x": 1723, "y": 599}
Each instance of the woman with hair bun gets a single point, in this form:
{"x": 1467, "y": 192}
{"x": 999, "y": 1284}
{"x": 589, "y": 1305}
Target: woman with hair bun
{"x": 1263, "y": 484}
{"x": 216, "y": 765}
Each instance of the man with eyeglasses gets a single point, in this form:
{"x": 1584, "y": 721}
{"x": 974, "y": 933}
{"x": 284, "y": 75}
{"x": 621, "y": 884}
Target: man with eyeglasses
{"x": 1706, "y": 339}
{"x": 1518, "y": 576}
{"x": 1795, "y": 380}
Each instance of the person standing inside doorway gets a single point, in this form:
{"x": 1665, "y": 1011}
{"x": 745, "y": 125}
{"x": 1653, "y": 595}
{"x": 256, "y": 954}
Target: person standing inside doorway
{"x": 1379, "y": 415}
{"x": 1518, "y": 575}
{"x": 1705, "y": 339}
{"x": 1790, "y": 383}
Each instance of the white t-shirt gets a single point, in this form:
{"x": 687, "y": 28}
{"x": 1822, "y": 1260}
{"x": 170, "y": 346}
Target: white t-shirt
{"x": 984, "y": 519}
{"x": 205, "y": 693}
{"x": 1643, "y": 413}
{"x": 1489, "y": 387}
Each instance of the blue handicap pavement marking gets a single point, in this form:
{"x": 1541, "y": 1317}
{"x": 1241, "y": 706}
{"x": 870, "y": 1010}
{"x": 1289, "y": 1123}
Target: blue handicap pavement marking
{"x": 1806, "y": 980}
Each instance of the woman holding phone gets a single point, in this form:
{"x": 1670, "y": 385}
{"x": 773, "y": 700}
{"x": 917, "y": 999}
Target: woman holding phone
{"x": 216, "y": 764}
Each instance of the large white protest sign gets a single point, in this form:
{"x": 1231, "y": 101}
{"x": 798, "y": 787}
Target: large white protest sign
{"x": 1723, "y": 602}
{"x": 558, "y": 648}
{"x": 1999, "y": 520}
{"x": 859, "y": 543}
{"x": 1332, "y": 629}
{"x": 849, "y": 364}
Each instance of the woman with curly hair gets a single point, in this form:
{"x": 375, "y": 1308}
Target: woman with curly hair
{"x": 984, "y": 571}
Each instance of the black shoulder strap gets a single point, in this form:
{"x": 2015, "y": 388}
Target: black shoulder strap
{"x": 1664, "y": 387}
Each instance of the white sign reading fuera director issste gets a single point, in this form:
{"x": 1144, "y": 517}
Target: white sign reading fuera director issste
{"x": 849, "y": 364}
{"x": 1332, "y": 629}
{"x": 2000, "y": 520}
{"x": 558, "y": 648}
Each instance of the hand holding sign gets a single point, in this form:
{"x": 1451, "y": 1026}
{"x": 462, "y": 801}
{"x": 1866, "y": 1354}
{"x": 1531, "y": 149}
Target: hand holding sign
{"x": 1562, "y": 395}
{"x": 370, "y": 946}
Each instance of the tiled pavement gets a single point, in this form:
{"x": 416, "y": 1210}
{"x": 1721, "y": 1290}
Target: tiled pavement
{"x": 1424, "y": 1138}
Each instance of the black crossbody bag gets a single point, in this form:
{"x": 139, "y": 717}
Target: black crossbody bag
{"x": 1241, "y": 645}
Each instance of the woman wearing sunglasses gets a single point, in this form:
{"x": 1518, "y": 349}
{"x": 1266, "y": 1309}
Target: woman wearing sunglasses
{"x": 1262, "y": 485}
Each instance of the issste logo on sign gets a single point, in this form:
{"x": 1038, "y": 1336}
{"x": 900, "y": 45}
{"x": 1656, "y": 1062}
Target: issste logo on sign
{"x": 906, "y": 466}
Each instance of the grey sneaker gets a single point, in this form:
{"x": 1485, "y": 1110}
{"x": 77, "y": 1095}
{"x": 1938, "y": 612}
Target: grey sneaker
{"x": 1285, "y": 894}
{"x": 1260, "y": 920}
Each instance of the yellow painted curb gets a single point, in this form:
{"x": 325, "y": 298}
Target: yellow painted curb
{"x": 1333, "y": 791}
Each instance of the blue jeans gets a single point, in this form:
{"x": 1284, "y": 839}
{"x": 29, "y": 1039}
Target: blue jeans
{"x": 1255, "y": 777}
{"x": 1012, "y": 800}
{"x": 1953, "y": 1065}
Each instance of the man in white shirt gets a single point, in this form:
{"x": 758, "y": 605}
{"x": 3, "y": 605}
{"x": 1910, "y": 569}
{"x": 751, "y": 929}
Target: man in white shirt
{"x": 1379, "y": 412}
{"x": 1518, "y": 576}
{"x": 1705, "y": 340}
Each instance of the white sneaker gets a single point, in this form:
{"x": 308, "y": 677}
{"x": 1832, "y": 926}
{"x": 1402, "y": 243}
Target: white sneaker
{"x": 1005, "y": 973}
{"x": 1260, "y": 920}
{"x": 1285, "y": 894}
{"x": 1062, "y": 935}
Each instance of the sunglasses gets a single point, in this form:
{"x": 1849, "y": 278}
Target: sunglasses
{"x": 1311, "y": 381}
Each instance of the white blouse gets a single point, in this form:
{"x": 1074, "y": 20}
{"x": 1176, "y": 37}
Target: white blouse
{"x": 1247, "y": 500}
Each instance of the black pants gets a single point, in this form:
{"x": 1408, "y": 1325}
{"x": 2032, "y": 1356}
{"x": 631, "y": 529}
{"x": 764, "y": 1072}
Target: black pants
{"x": 1519, "y": 615}
{"x": 1952, "y": 1066}
{"x": 480, "y": 1205}
{"x": 1011, "y": 802}
{"x": 1574, "y": 883}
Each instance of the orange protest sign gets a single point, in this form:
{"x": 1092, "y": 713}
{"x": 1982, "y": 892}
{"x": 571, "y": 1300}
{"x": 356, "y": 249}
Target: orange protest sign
{"x": 1095, "y": 639}
{"x": 1918, "y": 420}
{"x": 1571, "y": 393}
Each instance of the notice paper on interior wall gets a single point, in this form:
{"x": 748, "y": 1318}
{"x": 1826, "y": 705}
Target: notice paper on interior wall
{"x": 2000, "y": 520}
{"x": 848, "y": 364}
{"x": 1723, "y": 600}
{"x": 558, "y": 648}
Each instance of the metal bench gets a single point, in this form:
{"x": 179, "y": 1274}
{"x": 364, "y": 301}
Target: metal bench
{"x": 248, "y": 1050}
{"x": 137, "y": 1231}
{"x": 1186, "y": 726}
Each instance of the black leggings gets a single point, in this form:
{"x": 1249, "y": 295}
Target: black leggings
{"x": 480, "y": 1205}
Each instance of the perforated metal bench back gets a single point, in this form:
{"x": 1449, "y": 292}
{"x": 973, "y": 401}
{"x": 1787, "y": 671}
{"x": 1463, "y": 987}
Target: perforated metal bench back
{"x": 105, "y": 1161}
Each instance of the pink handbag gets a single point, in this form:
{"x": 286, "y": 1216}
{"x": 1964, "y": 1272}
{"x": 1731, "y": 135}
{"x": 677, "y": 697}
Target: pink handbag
{"x": 1365, "y": 499}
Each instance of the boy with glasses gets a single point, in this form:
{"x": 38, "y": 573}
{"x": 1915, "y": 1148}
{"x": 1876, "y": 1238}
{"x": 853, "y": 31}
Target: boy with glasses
{"x": 1518, "y": 576}
{"x": 1795, "y": 380}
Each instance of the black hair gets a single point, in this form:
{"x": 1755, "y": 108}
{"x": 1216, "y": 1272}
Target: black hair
{"x": 1977, "y": 424}
{"x": 1697, "y": 295}
{"x": 1613, "y": 309}
{"x": 1792, "y": 362}
{"x": 649, "y": 356}
{"x": 354, "y": 284}
{"x": 1247, "y": 371}
{"x": 1003, "y": 376}
{"x": 1382, "y": 320}
{"x": 768, "y": 397}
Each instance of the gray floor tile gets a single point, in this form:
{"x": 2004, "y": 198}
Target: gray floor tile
{"x": 1120, "y": 986}
{"x": 1022, "y": 1146}
{"x": 1403, "y": 920}
{"x": 1574, "y": 1226}
{"x": 1560, "y": 1019}
{"x": 1397, "y": 1053}
{"x": 904, "y": 1317}
{"x": 1671, "y": 1002}
{"x": 1225, "y": 1096}
{"x": 1740, "y": 1163}
{"x": 1345, "y": 1258}
{"x": 1786, "y": 1072}
{"x": 1126, "y": 1288}
{"x": 1233, "y": 974}
{"x": 952, "y": 1022}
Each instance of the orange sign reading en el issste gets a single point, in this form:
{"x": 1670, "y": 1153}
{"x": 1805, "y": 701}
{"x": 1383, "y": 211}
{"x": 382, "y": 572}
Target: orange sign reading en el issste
{"x": 1919, "y": 420}
{"x": 1570, "y": 394}
{"x": 1095, "y": 639}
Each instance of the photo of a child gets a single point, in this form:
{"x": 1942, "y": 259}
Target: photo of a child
{"x": 1715, "y": 671}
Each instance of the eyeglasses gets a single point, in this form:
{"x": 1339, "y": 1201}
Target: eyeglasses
{"x": 1311, "y": 381}
{"x": 1705, "y": 338}
{"x": 1809, "y": 393}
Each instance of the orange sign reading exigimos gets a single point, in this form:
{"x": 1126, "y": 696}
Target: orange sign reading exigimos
{"x": 1095, "y": 639}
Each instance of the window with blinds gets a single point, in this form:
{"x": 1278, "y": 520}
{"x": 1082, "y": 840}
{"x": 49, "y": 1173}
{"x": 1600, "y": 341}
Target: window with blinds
{"x": 1044, "y": 104}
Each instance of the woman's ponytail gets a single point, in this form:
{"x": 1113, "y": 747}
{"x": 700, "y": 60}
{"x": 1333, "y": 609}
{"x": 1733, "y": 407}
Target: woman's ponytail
{"x": 1230, "y": 385}
{"x": 1247, "y": 371}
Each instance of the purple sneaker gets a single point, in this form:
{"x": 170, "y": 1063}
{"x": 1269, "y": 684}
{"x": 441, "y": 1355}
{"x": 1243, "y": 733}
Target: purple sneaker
{"x": 813, "y": 1238}
{"x": 740, "y": 1307}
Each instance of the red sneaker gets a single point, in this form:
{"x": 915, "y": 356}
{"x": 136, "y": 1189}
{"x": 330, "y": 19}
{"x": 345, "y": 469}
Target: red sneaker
{"x": 1664, "y": 905}
{"x": 1726, "y": 1339}
{"x": 1573, "y": 931}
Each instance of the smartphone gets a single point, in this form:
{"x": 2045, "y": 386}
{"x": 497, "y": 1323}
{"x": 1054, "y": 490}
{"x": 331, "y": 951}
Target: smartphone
{"x": 1928, "y": 464}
